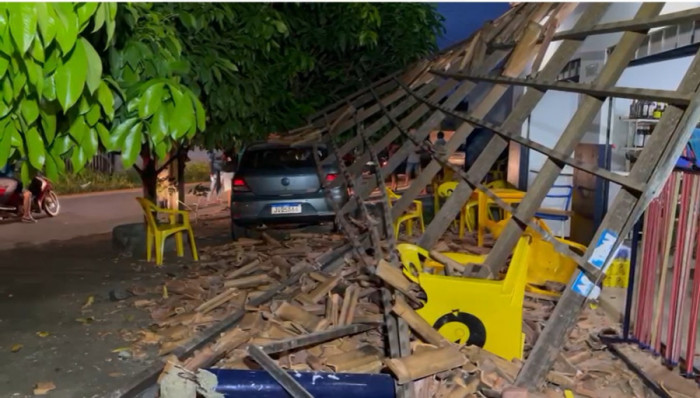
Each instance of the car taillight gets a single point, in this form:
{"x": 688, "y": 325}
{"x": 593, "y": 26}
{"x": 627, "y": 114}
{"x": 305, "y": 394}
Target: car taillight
{"x": 331, "y": 177}
{"x": 239, "y": 185}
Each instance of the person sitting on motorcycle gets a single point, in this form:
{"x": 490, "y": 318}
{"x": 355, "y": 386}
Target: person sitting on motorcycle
{"x": 34, "y": 189}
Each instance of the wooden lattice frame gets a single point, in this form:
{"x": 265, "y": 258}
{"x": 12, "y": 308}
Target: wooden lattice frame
{"x": 432, "y": 89}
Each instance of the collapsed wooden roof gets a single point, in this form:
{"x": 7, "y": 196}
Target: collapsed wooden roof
{"x": 511, "y": 51}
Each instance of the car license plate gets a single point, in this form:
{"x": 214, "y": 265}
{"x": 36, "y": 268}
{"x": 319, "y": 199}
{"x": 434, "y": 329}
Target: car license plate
{"x": 288, "y": 208}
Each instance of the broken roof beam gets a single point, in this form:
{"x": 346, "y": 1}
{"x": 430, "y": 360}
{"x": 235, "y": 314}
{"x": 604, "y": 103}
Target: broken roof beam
{"x": 560, "y": 247}
{"x": 515, "y": 65}
{"x": 399, "y": 109}
{"x": 632, "y": 25}
{"x": 280, "y": 375}
{"x": 514, "y": 121}
{"x": 586, "y": 111}
{"x": 667, "y": 96}
{"x": 515, "y": 135}
{"x": 655, "y": 163}
{"x": 433, "y": 121}
{"x": 407, "y": 121}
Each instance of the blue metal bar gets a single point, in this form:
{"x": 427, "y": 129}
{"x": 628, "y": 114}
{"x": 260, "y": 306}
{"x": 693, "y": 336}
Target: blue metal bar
{"x": 259, "y": 384}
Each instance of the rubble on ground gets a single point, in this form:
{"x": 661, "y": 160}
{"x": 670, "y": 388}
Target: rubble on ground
{"x": 229, "y": 278}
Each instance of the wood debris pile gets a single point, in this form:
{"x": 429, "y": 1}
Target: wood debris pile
{"x": 346, "y": 300}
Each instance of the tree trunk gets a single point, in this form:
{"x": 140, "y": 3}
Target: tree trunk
{"x": 149, "y": 177}
{"x": 181, "y": 162}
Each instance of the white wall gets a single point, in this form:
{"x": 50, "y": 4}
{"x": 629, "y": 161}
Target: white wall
{"x": 547, "y": 122}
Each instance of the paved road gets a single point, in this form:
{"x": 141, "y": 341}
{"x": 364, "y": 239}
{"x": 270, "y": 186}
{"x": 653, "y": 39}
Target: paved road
{"x": 81, "y": 215}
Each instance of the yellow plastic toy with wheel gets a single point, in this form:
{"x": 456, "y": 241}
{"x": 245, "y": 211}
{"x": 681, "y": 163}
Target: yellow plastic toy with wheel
{"x": 482, "y": 312}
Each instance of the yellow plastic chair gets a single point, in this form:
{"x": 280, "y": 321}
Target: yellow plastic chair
{"x": 483, "y": 312}
{"x": 443, "y": 192}
{"x": 548, "y": 265}
{"x": 417, "y": 253}
{"x": 158, "y": 233}
{"x": 408, "y": 216}
{"x": 470, "y": 211}
{"x": 510, "y": 196}
{"x": 545, "y": 263}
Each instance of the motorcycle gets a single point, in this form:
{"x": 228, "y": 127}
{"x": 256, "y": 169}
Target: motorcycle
{"x": 46, "y": 200}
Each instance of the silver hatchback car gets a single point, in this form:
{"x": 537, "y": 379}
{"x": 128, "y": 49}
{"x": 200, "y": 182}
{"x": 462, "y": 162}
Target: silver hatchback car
{"x": 278, "y": 184}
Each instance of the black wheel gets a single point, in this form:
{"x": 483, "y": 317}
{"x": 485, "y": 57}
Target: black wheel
{"x": 466, "y": 328}
{"x": 237, "y": 231}
{"x": 51, "y": 205}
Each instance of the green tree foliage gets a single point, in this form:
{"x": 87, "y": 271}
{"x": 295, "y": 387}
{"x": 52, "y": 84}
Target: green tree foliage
{"x": 59, "y": 101}
{"x": 78, "y": 77}
{"x": 55, "y": 102}
{"x": 261, "y": 67}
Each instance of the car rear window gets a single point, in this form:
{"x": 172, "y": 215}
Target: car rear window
{"x": 276, "y": 158}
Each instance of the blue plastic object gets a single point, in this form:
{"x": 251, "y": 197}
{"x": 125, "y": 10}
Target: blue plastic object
{"x": 689, "y": 158}
{"x": 568, "y": 189}
{"x": 259, "y": 384}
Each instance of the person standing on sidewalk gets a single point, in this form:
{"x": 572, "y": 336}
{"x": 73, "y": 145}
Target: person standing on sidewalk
{"x": 228, "y": 171}
{"x": 214, "y": 175}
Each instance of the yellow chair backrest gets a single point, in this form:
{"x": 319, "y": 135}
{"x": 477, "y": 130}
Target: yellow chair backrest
{"x": 149, "y": 208}
{"x": 392, "y": 195}
{"x": 446, "y": 188}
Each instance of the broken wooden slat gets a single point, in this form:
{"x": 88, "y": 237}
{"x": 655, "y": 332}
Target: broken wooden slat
{"x": 283, "y": 378}
{"x": 667, "y": 96}
{"x": 496, "y": 145}
{"x": 425, "y": 364}
{"x": 321, "y": 291}
{"x": 635, "y": 24}
{"x": 290, "y": 312}
{"x": 515, "y": 66}
{"x": 394, "y": 277}
{"x": 418, "y": 324}
{"x": 249, "y": 281}
{"x": 314, "y": 338}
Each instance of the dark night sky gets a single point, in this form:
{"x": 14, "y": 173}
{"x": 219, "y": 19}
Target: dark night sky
{"x": 461, "y": 19}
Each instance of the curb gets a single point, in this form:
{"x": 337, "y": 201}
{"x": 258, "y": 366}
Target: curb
{"x": 113, "y": 191}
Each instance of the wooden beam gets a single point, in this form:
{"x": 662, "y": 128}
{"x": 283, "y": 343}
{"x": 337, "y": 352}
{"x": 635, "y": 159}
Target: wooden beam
{"x": 668, "y": 96}
{"x": 407, "y": 122}
{"x": 280, "y": 375}
{"x": 514, "y": 121}
{"x": 314, "y": 338}
{"x": 398, "y": 110}
{"x": 655, "y": 164}
{"x": 514, "y": 66}
{"x": 366, "y": 113}
{"x": 358, "y": 98}
{"x": 435, "y": 118}
{"x": 492, "y": 60}
{"x": 632, "y": 25}
{"x": 514, "y": 135}
{"x": 587, "y": 109}
{"x": 472, "y": 183}
{"x": 383, "y": 86}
